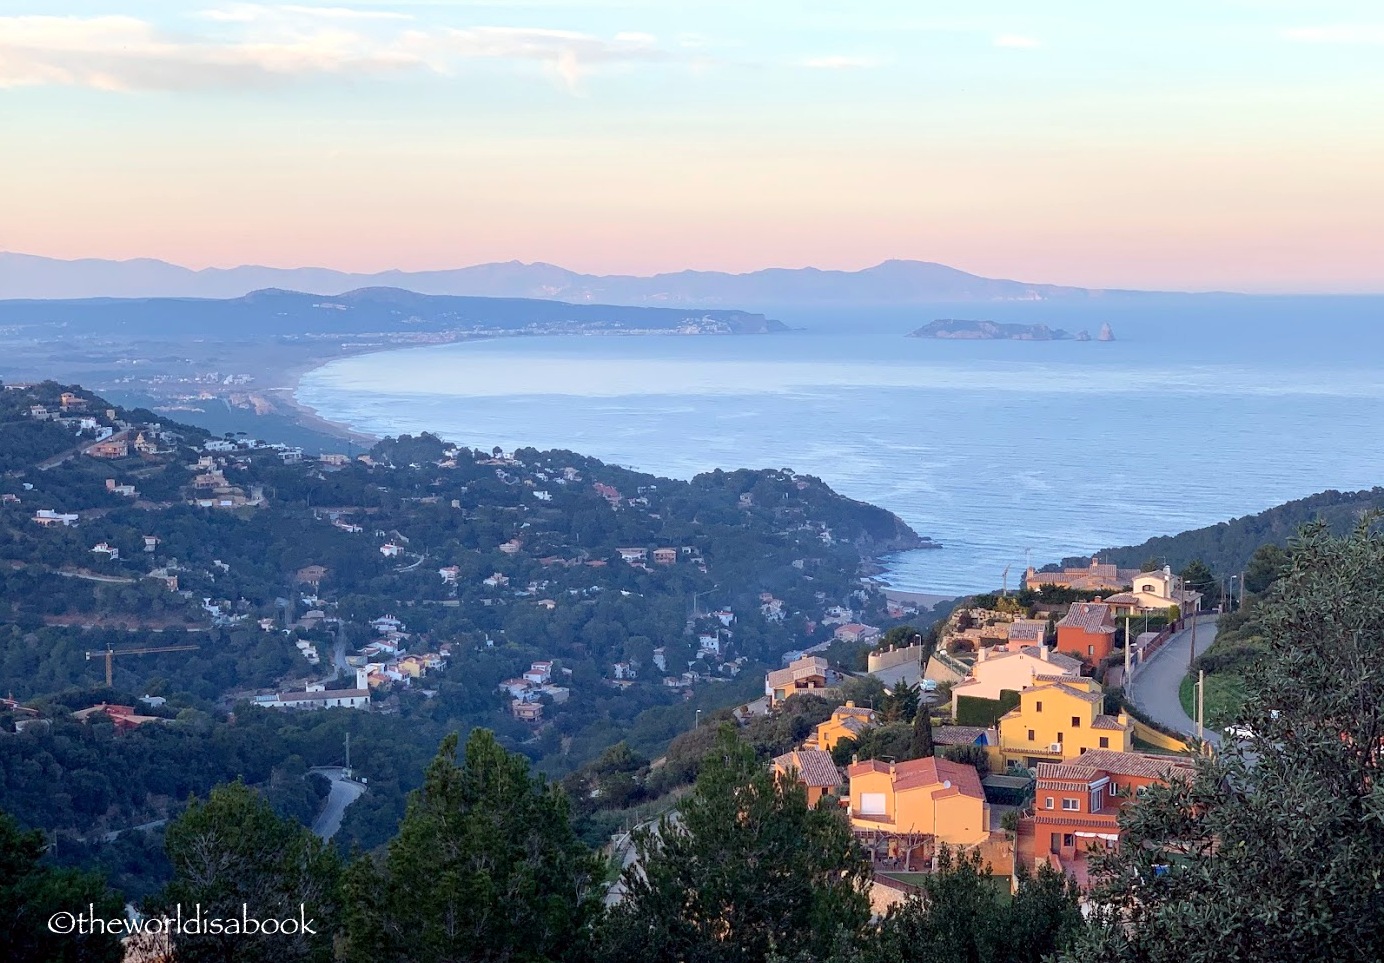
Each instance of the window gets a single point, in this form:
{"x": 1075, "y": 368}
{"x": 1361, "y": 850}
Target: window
{"x": 872, "y": 804}
{"x": 1059, "y": 737}
{"x": 1069, "y": 840}
{"x": 1105, "y": 742}
{"x": 1049, "y": 803}
{"x": 1071, "y": 805}
{"x": 1076, "y": 722}
{"x": 1030, "y": 735}
{"x": 1097, "y": 799}
{"x": 1039, "y": 707}
{"x": 1090, "y": 650}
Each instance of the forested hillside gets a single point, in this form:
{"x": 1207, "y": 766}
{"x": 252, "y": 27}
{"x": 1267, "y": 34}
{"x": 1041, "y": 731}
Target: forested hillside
{"x": 1227, "y": 546}
{"x": 436, "y": 572}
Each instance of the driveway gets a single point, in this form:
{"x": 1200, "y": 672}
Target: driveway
{"x": 1157, "y": 683}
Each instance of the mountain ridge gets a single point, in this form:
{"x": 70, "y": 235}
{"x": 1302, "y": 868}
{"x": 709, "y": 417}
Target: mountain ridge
{"x": 891, "y": 282}
{"x": 268, "y": 312}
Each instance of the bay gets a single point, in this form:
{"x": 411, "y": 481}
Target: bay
{"x": 1204, "y": 408}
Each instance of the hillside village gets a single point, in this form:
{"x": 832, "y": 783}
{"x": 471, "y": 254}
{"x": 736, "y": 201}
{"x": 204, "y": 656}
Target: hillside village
{"x": 1034, "y": 755}
{"x": 613, "y": 628}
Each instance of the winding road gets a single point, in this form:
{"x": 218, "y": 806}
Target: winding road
{"x": 345, "y": 791}
{"x": 1156, "y": 685}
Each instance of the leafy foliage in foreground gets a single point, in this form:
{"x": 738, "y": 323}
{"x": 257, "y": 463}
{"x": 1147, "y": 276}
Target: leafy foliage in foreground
{"x": 1275, "y": 850}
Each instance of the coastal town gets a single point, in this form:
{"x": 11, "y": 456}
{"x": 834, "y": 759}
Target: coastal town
{"x": 580, "y": 613}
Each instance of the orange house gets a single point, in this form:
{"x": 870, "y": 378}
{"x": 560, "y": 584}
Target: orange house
{"x": 924, "y": 797}
{"x": 811, "y": 767}
{"x": 1077, "y": 803}
{"x": 846, "y": 722}
{"x": 1087, "y": 632}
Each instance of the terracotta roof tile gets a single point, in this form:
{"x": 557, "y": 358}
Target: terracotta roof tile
{"x": 957, "y": 735}
{"x": 1095, "y": 763}
{"x": 814, "y": 767}
{"x": 1089, "y": 617}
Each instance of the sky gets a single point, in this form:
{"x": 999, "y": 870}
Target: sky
{"x": 1189, "y": 144}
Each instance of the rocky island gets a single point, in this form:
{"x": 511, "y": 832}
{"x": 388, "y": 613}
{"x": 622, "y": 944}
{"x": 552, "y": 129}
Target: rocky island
{"x": 954, "y": 329}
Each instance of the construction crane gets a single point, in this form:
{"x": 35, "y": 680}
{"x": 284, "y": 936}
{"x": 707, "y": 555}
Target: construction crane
{"x": 109, "y": 654}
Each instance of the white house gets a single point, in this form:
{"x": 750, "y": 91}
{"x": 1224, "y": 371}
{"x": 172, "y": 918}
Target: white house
{"x": 1155, "y": 592}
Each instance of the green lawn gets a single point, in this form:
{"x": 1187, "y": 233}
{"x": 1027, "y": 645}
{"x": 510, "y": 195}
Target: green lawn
{"x": 1225, "y": 694}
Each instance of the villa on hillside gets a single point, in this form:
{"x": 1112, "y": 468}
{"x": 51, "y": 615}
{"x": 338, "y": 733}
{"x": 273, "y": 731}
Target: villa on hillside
{"x": 813, "y": 768}
{"x": 809, "y": 673}
{"x": 919, "y": 798}
{"x": 1058, "y": 718}
{"x": 1077, "y": 803}
{"x": 1097, "y": 577}
{"x": 1155, "y": 592}
{"x": 847, "y": 722}
{"x": 1087, "y": 632}
{"x": 1005, "y": 668}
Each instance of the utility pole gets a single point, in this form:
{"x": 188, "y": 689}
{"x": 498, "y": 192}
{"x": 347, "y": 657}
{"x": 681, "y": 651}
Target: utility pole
{"x": 1201, "y": 703}
{"x": 1129, "y": 644}
{"x": 1192, "y": 654}
{"x": 348, "y": 754}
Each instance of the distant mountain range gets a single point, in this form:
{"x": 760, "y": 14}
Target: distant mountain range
{"x": 890, "y": 283}
{"x": 274, "y": 312}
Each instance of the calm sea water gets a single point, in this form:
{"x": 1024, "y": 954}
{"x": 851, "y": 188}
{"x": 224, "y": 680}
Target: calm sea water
{"x": 1203, "y": 409}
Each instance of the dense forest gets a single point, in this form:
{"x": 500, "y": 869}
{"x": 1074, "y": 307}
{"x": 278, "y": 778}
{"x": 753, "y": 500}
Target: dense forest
{"x": 486, "y": 561}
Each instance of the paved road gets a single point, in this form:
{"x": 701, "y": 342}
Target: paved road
{"x": 344, "y": 792}
{"x": 1156, "y": 686}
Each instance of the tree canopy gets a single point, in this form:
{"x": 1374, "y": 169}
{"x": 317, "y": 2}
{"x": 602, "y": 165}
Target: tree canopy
{"x": 1275, "y": 849}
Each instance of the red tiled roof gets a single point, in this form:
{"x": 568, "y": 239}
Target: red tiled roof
{"x": 1089, "y": 617}
{"x": 1095, "y": 763}
{"x": 1103, "y": 721}
{"x": 957, "y": 735}
{"x": 814, "y": 767}
{"x": 1027, "y": 630}
{"x": 1060, "y": 682}
{"x": 931, "y": 771}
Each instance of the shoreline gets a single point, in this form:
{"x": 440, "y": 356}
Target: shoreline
{"x": 284, "y": 393}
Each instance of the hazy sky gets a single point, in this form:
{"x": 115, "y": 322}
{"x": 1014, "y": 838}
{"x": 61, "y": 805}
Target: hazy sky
{"x": 1188, "y": 143}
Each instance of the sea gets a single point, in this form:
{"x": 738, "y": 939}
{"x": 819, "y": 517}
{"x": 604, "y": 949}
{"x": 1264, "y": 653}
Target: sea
{"x": 1202, "y": 409}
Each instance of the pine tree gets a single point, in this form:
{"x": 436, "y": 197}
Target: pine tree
{"x": 743, "y": 869}
{"x": 30, "y": 895}
{"x": 485, "y": 867}
{"x": 231, "y": 851}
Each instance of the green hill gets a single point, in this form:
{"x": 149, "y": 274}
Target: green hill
{"x": 1227, "y": 546}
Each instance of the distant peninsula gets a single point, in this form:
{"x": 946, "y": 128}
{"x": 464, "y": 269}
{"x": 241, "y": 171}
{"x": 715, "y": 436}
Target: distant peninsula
{"x": 955, "y": 329}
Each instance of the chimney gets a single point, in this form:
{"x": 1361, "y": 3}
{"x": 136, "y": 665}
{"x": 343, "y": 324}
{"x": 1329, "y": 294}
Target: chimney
{"x": 850, "y": 704}
{"x": 981, "y": 653}
{"x": 1043, "y": 652}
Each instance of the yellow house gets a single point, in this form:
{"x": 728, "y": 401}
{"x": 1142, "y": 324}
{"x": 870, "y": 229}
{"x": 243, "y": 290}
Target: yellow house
{"x": 1059, "y": 718}
{"x": 806, "y": 674}
{"x": 413, "y": 666}
{"x": 846, "y": 722}
{"x": 921, "y": 797}
{"x": 811, "y": 767}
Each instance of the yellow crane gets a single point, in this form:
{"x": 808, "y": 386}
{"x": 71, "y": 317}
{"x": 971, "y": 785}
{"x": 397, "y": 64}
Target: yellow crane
{"x": 109, "y": 654}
